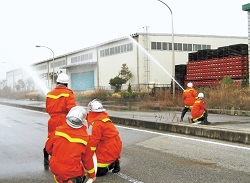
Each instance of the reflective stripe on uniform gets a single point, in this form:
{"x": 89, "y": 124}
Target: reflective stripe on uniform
{"x": 190, "y": 107}
{"x": 55, "y": 179}
{"x": 70, "y": 139}
{"x": 195, "y": 119}
{"x": 92, "y": 148}
{"x": 57, "y": 96}
{"x": 188, "y": 90}
{"x": 91, "y": 171}
{"x": 106, "y": 119}
{"x": 102, "y": 165}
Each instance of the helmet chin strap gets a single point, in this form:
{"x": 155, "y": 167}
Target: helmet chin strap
{"x": 62, "y": 84}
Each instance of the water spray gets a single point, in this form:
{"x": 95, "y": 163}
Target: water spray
{"x": 153, "y": 59}
{"x": 36, "y": 79}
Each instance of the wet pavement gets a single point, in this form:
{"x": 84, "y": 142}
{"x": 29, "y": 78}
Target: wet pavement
{"x": 232, "y": 128}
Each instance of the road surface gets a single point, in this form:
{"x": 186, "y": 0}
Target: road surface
{"x": 147, "y": 156}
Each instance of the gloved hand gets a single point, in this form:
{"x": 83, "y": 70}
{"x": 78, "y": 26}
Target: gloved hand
{"x": 90, "y": 180}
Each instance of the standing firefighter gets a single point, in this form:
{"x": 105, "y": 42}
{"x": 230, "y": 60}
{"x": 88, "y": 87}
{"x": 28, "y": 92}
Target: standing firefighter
{"x": 189, "y": 96}
{"x": 68, "y": 147}
{"x": 199, "y": 112}
{"x": 59, "y": 101}
{"x": 104, "y": 140}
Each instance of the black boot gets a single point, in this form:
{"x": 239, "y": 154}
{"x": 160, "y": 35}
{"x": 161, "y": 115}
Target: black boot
{"x": 79, "y": 179}
{"x": 117, "y": 167}
{"x": 206, "y": 123}
{"x": 46, "y": 157}
{"x": 184, "y": 111}
{"x": 102, "y": 171}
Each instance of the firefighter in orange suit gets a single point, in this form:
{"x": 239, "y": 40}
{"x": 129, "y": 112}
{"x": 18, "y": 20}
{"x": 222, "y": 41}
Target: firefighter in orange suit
{"x": 68, "y": 146}
{"x": 189, "y": 96}
{"x": 59, "y": 101}
{"x": 199, "y": 112}
{"x": 104, "y": 139}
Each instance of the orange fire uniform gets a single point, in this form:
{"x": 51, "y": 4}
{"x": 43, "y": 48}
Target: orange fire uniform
{"x": 189, "y": 96}
{"x": 198, "y": 109}
{"x": 59, "y": 101}
{"x": 105, "y": 139}
{"x": 67, "y": 147}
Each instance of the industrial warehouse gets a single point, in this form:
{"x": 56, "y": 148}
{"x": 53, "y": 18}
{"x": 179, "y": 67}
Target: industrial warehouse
{"x": 149, "y": 57}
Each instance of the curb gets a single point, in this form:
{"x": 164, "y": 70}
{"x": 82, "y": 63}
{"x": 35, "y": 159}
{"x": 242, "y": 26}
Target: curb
{"x": 35, "y": 108}
{"x": 200, "y": 131}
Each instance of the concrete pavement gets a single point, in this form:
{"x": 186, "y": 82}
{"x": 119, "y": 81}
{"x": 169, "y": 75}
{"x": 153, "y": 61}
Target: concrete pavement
{"x": 232, "y": 128}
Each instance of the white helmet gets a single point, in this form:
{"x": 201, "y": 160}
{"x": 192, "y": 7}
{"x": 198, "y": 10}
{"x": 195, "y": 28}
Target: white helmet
{"x": 201, "y": 95}
{"x": 95, "y": 106}
{"x": 62, "y": 78}
{"x": 76, "y": 117}
{"x": 190, "y": 85}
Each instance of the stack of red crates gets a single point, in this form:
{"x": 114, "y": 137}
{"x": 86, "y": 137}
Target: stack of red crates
{"x": 208, "y": 67}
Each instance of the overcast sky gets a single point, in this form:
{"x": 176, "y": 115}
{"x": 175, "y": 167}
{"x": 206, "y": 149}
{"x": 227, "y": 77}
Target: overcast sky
{"x": 70, "y": 25}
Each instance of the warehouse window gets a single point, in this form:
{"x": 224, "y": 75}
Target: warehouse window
{"x": 81, "y": 58}
{"x": 58, "y": 63}
{"x": 153, "y": 45}
{"x": 112, "y": 51}
{"x": 123, "y": 48}
{"x": 158, "y": 45}
{"x": 190, "y": 47}
{"x": 106, "y": 52}
{"x": 116, "y": 50}
{"x": 41, "y": 67}
{"x": 195, "y": 47}
{"x": 102, "y": 53}
{"x": 185, "y": 47}
{"x": 179, "y": 46}
{"x": 169, "y": 46}
{"x": 86, "y": 57}
{"x": 199, "y": 46}
{"x": 175, "y": 46}
{"x": 164, "y": 46}
{"x": 129, "y": 47}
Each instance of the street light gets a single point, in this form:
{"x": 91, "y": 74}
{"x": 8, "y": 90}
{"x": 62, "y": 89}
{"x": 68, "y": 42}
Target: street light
{"x": 173, "y": 60}
{"x": 53, "y": 79}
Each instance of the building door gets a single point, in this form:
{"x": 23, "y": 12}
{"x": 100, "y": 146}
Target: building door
{"x": 82, "y": 81}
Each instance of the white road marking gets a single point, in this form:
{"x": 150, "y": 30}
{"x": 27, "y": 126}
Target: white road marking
{"x": 128, "y": 178}
{"x": 187, "y": 138}
{"x": 30, "y": 110}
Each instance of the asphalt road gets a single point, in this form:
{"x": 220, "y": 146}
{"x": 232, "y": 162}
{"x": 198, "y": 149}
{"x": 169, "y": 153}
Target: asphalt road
{"x": 147, "y": 156}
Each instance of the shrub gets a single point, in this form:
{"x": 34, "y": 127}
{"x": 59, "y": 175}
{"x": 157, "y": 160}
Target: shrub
{"x": 83, "y": 98}
{"x": 116, "y": 96}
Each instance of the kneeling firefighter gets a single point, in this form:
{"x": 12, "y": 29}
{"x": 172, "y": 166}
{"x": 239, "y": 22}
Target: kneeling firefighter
{"x": 104, "y": 139}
